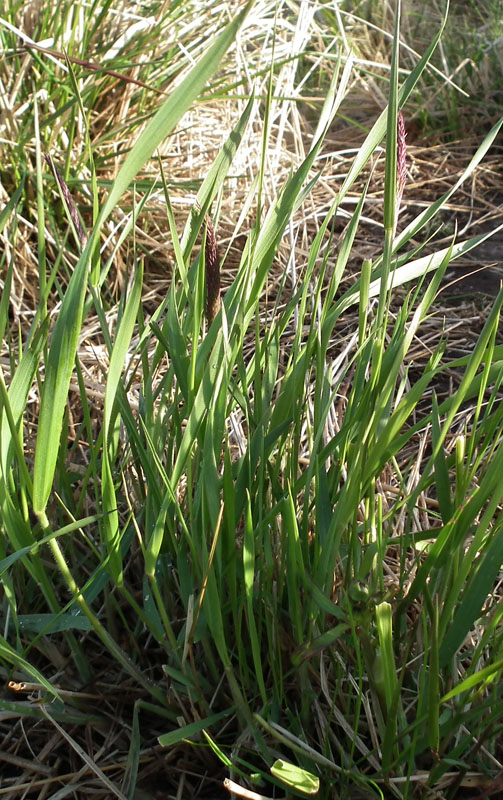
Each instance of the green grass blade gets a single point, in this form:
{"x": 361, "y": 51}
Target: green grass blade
{"x": 118, "y": 355}
{"x": 489, "y": 673}
{"x": 478, "y": 589}
{"x": 64, "y": 339}
{"x": 172, "y": 111}
{"x": 214, "y": 179}
{"x": 12, "y": 657}
{"x": 192, "y": 729}
{"x": 376, "y": 135}
{"x": 14, "y": 400}
{"x": 384, "y": 628}
{"x": 249, "y": 580}
{"x": 433, "y": 679}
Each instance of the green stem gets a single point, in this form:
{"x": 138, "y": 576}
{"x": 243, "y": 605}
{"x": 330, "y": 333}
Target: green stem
{"x": 98, "y": 628}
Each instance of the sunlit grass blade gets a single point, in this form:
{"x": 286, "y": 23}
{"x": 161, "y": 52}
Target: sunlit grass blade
{"x": 213, "y": 180}
{"x": 66, "y": 331}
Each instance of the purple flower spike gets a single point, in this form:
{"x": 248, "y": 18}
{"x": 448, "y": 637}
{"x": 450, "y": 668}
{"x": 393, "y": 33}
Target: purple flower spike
{"x": 212, "y": 265}
{"x": 68, "y": 200}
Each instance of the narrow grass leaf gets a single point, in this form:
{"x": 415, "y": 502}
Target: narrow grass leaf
{"x": 5, "y": 301}
{"x": 433, "y": 679}
{"x": 133, "y": 757}
{"x": 192, "y": 729}
{"x": 64, "y": 713}
{"x": 376, "y": 135}
{"x": 64, "y": 339}
{"x": 7, "y": 210}
{"x": 214, "y": 180}
{"x": 294, "y": 566}
{"x": 442, "y": 480}
{"x": 119, "y": 352}
{"x": 249, "y": 580}
{"x": 172, "y": 111}
{"x": 326, "y": 639}
{"x": 11, "y": 656}
{"x": 14, "y": 400}
{"x": 390, "y": 178}
{"x": 480, "y": 586}
{"x": 384, "y": 628}
{"x": 487, "y": 674}
{"x": 58, "y": 369}
{"x": 218, "y": 752}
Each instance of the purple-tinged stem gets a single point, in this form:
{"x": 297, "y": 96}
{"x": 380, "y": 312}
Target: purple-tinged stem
{"x": 68, "y": 200}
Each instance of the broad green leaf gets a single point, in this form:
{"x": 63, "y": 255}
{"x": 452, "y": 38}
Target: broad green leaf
{"x": 296, "y": 777}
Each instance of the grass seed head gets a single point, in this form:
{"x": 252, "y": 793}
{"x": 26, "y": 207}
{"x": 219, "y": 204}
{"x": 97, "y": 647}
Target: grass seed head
{"x": 68, "y": 200}
{"x": 401, "y": 161}
{"x": 212, "y": 265}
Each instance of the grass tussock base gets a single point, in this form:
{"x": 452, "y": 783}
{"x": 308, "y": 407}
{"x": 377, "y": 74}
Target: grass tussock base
{"x": 250, "y": 409}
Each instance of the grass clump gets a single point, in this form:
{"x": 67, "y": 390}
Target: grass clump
{"x": 247, "y": 536}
